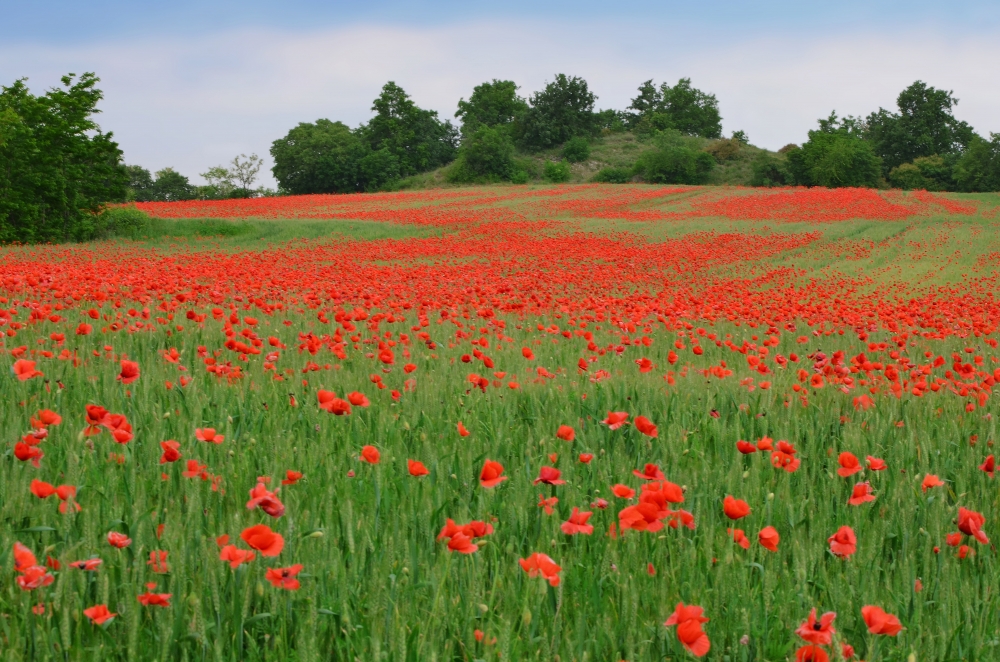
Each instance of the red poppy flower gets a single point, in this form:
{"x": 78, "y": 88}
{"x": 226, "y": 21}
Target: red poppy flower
{"x": 549, "y": 476}
{"x": 358, "y": 399}
{"x": 45, "y": 418}
{"x": 735, "y": 508}
{"x": 119, "y": 540}
{"x": 739, "y": 537}
{"x": 90, "y": 565}
{"x": 462, "y": 432}
{"x": 930, "y": 480}
{"x": 862, "y": 493}
{"x": 370, "y": 455}
{"x": 879, "y": 622}
{"x": 95, "y": 417}
{"x": 492, "y": 474}
{"x": 843, "y": 543}
{"x": 462, "y": 544}
{"x": 416, "y": 468}
{"x": 24, "y": 452}
{"x": 818, "y": 632}
{"x": 527, "y": 353}
{"x": 643, "y": 516}
{"x": 849, "y": 465}
{"x": 970, "y": 523}
{"x": 158, "y": 561}
{"x": 129, "y": 372}
{"x": 284, "y": 577}
{"x": 765, "y": 444}
{"x": 615, "y": 419}
{"x": 645, "y": 426}
{"x": 649, "y": 472}
{"x": 688, "y": 620}
{"x": 745, "y": 447}
{"x": 23, "y": 558}
{"x": 291, "y": 477}
{"x": 208, "y": 435}
{"x": 171, "y": 451}
{"x": 149, "y": 599}
{"x": 541, "y": 564}
{"x": 566, "y": 433}
{"x": 99, "y": 614}
{"x": 267, "y": 501}
{"x": 768, "y": 538}
{"x": 662, "y": 492}
{"x": 547, "y": 504}
{"x": 876, "y": 464}
{"x": 622, "y": 491}
{"x": 263, "y": 539}
{"x": 812, "y": 653}
{"x": 234, "y": 556}
{"x": 989, "y": 466}
{"x": 577, "y": 523}
{"x": 41, "y": 489}
{"x": 25, "y": 370}
{"x": 585, "y": 458}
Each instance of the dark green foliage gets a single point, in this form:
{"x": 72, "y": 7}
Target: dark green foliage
{"x": 674, "y": 161}
{"x": 378, "y": 169}
{"x": 491, "y": 104}
{"x": 168, "y": 186}
{"x": 576, "y": 149}
{"x": 322, "y": 157}
{"x": 613, "y": 175}
{"x": 487, "y": 155}
{"x": 611, "y": 121}
{"x": 415, "y": 137}
{"x": 139, "y": 181}
{"x": 741, "y": 137}
{"x": 931, "y": 173}
{"x": 835, "y": 155}
{"x": 978, "y": 169}
{"x": 557, "y": 171}
{"x": 563, "y": 110}
{"x": 57, "y": 167}
{"x": 128, "y": 222}
{"x": 682, "y": 107}
{"x": 924, "y": 126}
{"x": 769, "y": 170}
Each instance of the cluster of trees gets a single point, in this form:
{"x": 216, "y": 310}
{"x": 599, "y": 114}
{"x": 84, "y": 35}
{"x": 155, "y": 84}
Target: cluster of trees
{"x": 168, "y": 185}
{"x": 920, "y": 146}
{"x": 498, "y": 128}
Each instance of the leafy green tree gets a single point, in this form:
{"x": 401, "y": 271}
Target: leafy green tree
{"x": 563, "y": 110}
{"x": 57, "y": 168}
{"x": 487, "y": 155}
{"x": 931, "y": 173}
{"x": 139, "y": 181}
{"x": 320, "y": 157}
{"x": 924, "y": 126}
{"x": 170, "y": 186}
{"x": 978, "y": 169}
{"x": 491, "y": 104}
{"x": 557, "y": 171}
{"x": 378, "y": 169}
{"x": 768, "y": 170}
{"x": 835, "y": 156}
{"x": 681, "y": 107}
{"x": 416, "y": 137}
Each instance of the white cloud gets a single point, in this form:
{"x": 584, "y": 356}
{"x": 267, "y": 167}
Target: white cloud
{"x": 196, "y": 102}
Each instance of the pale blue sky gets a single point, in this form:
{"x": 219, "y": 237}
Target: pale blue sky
{"x": 190, "y": 84}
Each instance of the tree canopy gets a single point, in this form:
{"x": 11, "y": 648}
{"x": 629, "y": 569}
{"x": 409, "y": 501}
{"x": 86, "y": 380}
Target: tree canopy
{"x": 57, "y": 167}
{"x": 562, "y": 110}
{"x": 681, "y": 107}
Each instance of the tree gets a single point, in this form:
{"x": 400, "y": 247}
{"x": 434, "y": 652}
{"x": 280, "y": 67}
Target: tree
{"x": 491, "y": 104}
{"x": 171, "y": 186}
{"x": 57, "y": 168}
{"x": 681, "y": 107}
{"x": 220, "y": 182}
{"x": 416, "y": 137}
{"x": 563, "y": 110}
{"x": 978, "y": 169}
{"x": 244, "y": 173}
{"x": 924, "y": 126}
{"x": 835, "y": 156}
{"x": 486, "y": 155}
{"x": 322, "y": 157}
{"x": 139, "y": 182}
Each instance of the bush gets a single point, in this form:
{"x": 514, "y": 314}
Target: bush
{"x": 674, "y": 163}
{"x": 489, "y": 154}
{"x": 835, "y": 156}
{"x": 321, "y": 157}
{"x": 769, "y": 170}
{"x": 557, "y": 171}
{"x": 931, "y": 173}
{"x": 576, "y": 150}
{"x": 126, "y": 221}
{"x": 724, "y": 150}
{"x": 379, "y": 169}
{"x": 613, "y": 175}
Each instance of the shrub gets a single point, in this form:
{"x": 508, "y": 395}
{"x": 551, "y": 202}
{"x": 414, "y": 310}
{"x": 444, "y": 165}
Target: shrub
{"x": 126, "y": 221}
{"x": 931, "y": 173}
{"x": 724, "y": 150}
{"x": 835, "y": 156}
{"x": 978, "y": 169}
{"x": 675, "y": 164}
{"x": 769, "y": 170}
{"x": 557, "y": 171}
{"x": 576, "y": 150}
{"x": 613, "y": 175}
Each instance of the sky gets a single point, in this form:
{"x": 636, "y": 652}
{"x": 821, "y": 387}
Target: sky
{"x": 190, "y": 85}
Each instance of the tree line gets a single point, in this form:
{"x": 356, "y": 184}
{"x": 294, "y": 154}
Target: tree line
{"x": 58, "y": 168}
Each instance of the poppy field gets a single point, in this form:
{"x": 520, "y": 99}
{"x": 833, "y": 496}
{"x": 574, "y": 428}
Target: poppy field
{"x": 577, "y": 423}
